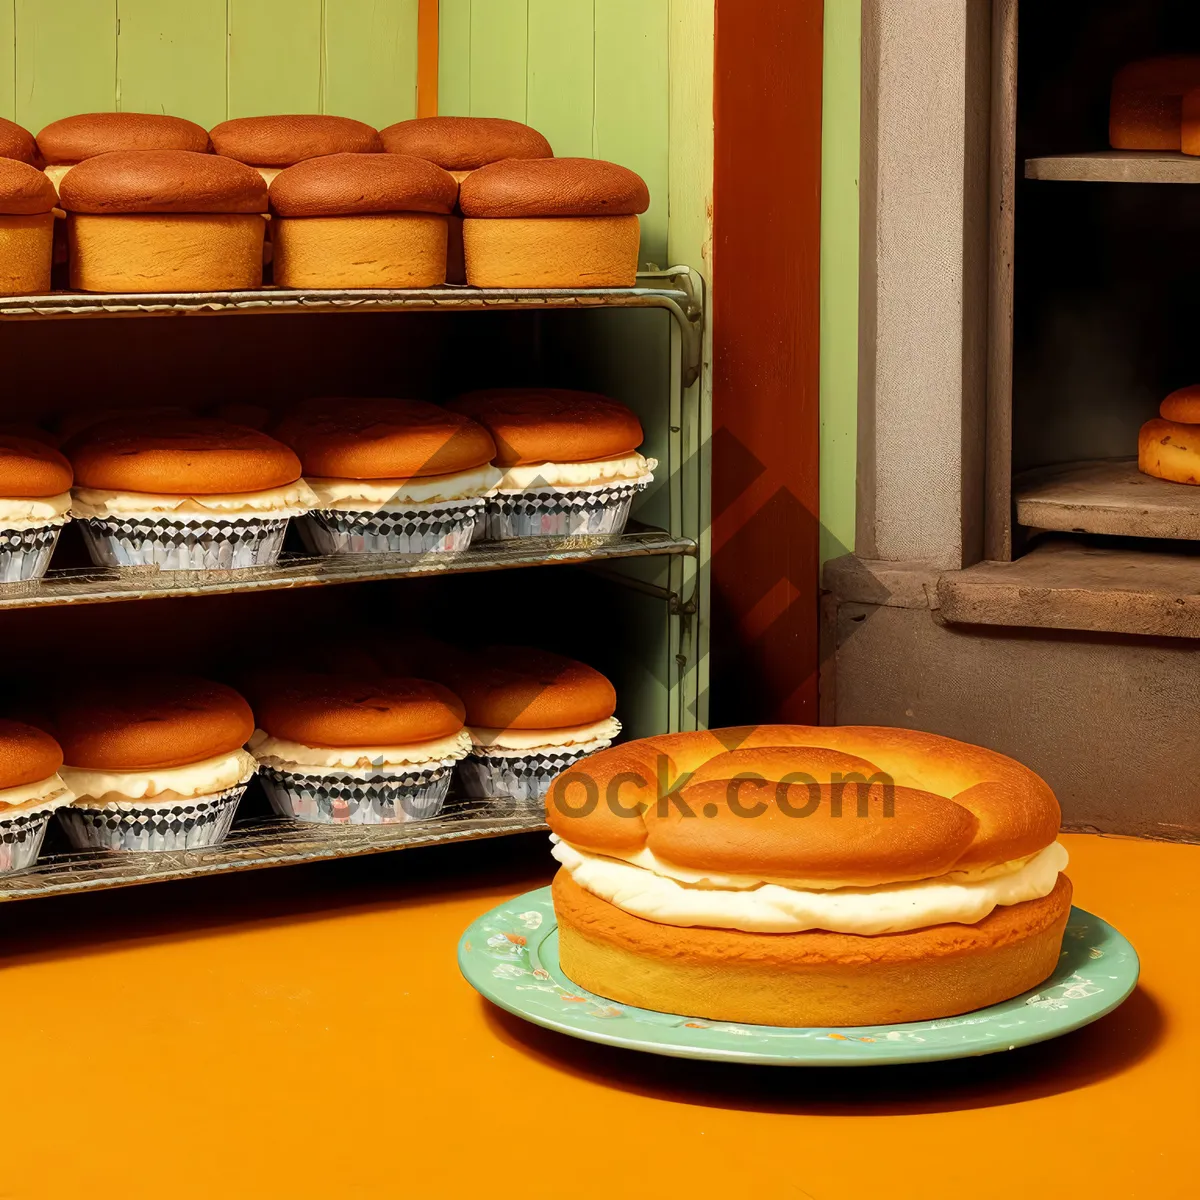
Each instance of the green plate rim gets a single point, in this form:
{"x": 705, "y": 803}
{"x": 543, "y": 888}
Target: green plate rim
{"x": 509, "y": 955}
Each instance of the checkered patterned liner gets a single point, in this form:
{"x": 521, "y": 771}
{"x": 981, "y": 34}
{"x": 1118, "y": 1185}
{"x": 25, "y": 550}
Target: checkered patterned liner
{"x": 183, "y": 545}
{"x": 381, "y": 799}
{"x": 442, "y": 529}
{"x": 524, "y": 779}
{"x": 25, "y": 553}
{"x": 555, "y": 512}
{"x": 187, "y": 825}
{"x": 21, "y": 838}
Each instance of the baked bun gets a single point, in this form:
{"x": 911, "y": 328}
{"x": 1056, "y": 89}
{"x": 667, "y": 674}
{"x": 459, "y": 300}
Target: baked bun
{"x": 343, "y": 185}
{"x": 539, "y": 425}
{"x": 30, "y": 469}
{"x": 179, "y": 456}
{"x": 283, "y": 140}
{"x": 464, "y": 143}
{"x": 1147, "y": 102}
{"x": 1182, "y": 405}
{"x": 24, "y": 190}
{"x": 150, "y": 722}
{"x": 955, "y": 805}
{"x": 553, "y": 187}
{"x": 73, "y": 139}
{"x": 336, "y": 712}
{"x": 27, "y": 755}
{"x": 162, "y": 181}
{"x": 17, "y": 143}
{"x": 384, "y": 439}
{"x": 1170, "y": 450}
{"x": 512, "y": 687}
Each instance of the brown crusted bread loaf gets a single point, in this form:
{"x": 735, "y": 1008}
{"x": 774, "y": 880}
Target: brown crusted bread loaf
{"x": 1182, "y": 405}
{"x": 336, "y": 712}
{"x": 31, "y": 469}
{"x": 1146, "y": 110}
{"x": 27, "y": 755}
{"x": 464, "y": 143}
{"x": 280, "y": 141}
{"x": 808, "y": 979}
{"x": 1015, "y": 813}
{"x": 513, "y": 687}
{"x": 384, "y": 439}
{"x": 1170, "y": 450}
{"x": 541, "y": 425}
{"x": 163, "y": 181}
{"x": 73, "y": 139}
{"x": 17, "y": 143}
{"x": 24, "y": 190}
{"x": 357, "y": 184}
{"x": 553, "y": 187}
{"x": 148, "y": 722}
{"x": 179, "y": 456}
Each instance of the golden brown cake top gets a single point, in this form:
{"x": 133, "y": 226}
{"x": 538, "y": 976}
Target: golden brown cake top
{"x": 24, "y": 190}
{"x": 853, "y": 804}
{"x": 17, "y": 142}
{"x": 381, "y": 438}
{"x": 162, "y": 181}
{"x": 30, "y": 469}
{"x": 343, "y": 185}
{"x": 74, "y": 139}
{"x": 541, "y": 425}
{"x": 179, "y": 456}
{"x": 27, "y": 755}
{"x": 151, "y": 721}
{"x": 280, "y": 141}
{"x": 337, "y": 712}
{"x": 465, "y": 143}
{"x": 553, "y": 187}
{"x": 1182, "y": 405}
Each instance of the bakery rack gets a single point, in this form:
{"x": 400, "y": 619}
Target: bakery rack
{"x": 258, "y": 840}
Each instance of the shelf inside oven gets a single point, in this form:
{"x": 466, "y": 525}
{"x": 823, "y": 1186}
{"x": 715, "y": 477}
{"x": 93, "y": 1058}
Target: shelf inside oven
{"x": 1116, "y": 166}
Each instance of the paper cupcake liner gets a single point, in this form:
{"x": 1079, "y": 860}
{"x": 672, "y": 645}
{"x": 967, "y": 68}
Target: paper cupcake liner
{"x": 21, "y": 835}
{"x": 561, "y": 512}
{"x": 397, "y": 529}
{"x": 25, "y": 553}
{"x": 381, "y": 799}
{"x": 522, "y": 779}
{"x": 208, "y": 545}
{"x": 142, "y": 828}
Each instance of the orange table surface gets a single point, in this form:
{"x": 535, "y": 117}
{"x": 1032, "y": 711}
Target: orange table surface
{"x": 305, "y": 1032}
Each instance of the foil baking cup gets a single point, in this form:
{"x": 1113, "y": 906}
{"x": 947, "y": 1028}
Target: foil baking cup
{"x": 522, "y": 779}
{"x": 380, "y": 799}
{"x": 21, "y": 836}
{"x": 150, "y": 828}
{"x": 601, "y": 511}
{"x": 397, "y": 529}
{"x": 25, "y": 553}
{"x": 208, "y": 545}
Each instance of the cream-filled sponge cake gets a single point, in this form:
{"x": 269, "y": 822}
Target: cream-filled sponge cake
{"x": 35, "y": 504}
{"x": 27, "y": 201}
{"x": 344, "y": 750}
{"x": 811, "y": 876}
{"x": 31, "y": 790}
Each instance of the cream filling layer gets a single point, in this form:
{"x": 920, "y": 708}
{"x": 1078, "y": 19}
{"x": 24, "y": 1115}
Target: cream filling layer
{"x": 46, "y": 792}
{"x": 212, "y": 775}
{"x": 516, "y": 742}
{"x": 290, "y": 501}
{"x": 632, "y": 466}
{"x": 357, "y": 495}
{"x": 772, "y": 908}
{"x": 19, "y": 513}
{"x": 285, "y": 755}
{"x": 55, "y": 172}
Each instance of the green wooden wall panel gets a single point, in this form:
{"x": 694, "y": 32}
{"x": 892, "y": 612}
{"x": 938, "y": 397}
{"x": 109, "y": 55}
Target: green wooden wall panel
{"x": 66, "y": 59}
{"x": 632, "y": 103}
{"x": 499, "y": 36}
{"x": 454, "y": 58}
{"x": 561, "y": 82}
{"x": 274, "y": 57}
{"x": 8, "y": 59}
{"x": 371, "y": 60}
{"x": 171, "y": 58}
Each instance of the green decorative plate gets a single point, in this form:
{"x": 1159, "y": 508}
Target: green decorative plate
{"x": 510, "y": 955}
